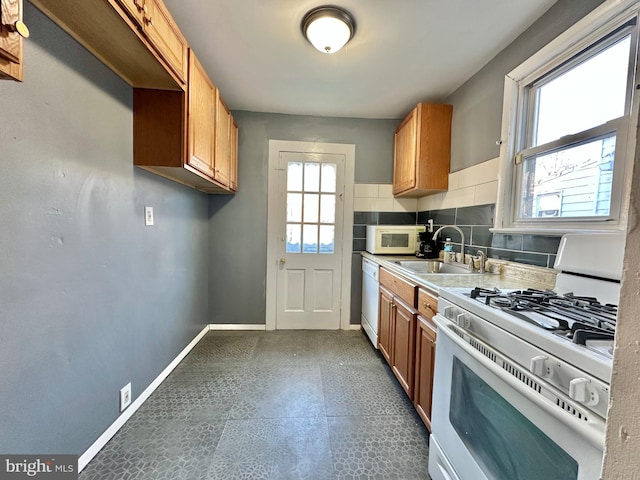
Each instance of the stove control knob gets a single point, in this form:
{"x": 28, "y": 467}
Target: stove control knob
{"x": 578, "y": 390}
{"x": 538, "y": 367}
{"x": 463, "y": 320}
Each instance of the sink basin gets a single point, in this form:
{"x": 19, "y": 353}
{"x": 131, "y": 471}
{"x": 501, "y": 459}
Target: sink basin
{"x": 433, "y": 266}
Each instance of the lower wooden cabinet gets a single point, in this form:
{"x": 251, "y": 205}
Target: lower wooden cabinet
{"x": 425, "y": 360}
{"x": 404, "y": 324}
{"x": 396, "y": 333}
{"x": 407, "y": 337}
{"x": 385, "y": 323}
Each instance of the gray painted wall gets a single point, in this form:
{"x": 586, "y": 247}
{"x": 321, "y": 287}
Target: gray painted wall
{"x": 477, "y": 105}
{"x": 90, "y": 298}
{"x": 239, "y": 223}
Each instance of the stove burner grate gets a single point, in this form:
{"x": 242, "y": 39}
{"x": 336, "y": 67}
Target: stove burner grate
{"x": 577, "y": 318}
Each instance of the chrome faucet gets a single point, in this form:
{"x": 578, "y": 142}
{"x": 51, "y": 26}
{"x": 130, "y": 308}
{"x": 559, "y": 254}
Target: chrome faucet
{"x": 437, "y": 232}
{"x": 483, "y": 260}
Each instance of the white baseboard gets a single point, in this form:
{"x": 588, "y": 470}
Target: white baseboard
{"x": 355, "y": 326}
{"x": 92, "y": 451}
{"x": 234, "y": 326}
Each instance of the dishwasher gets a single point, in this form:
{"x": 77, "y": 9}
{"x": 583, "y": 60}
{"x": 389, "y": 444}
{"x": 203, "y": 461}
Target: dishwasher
{"x": 370, "y": 289}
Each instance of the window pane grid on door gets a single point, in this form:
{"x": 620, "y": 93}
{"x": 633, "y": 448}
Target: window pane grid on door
{"x": 311, "y": 215}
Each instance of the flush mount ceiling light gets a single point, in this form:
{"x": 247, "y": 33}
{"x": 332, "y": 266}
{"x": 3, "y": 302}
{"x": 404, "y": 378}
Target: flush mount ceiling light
{"x": 328, "y": 28}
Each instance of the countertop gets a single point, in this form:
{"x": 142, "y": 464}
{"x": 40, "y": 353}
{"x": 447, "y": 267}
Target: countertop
{"x": 508, "y": 275}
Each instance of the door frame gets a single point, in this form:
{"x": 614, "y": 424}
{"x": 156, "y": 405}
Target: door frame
{"x": 349, "y": 151}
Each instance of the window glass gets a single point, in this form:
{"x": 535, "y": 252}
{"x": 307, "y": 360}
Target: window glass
{"x": 327, "y": 209}
{"x": 570, "y": 182}
{"x": 328, "y": 178}
{"x": 294, "y": 207}
{"x": 589, "y": 94}
{"x": 311, "y": 206}
{"x": 293, "y": 238}
{"x": 311, "y": 215}
{"x": 311, "y": 177}
{"x": 327, "y": 238}
{"x": 310, "y": 238}
{"x": 294, "y": 176}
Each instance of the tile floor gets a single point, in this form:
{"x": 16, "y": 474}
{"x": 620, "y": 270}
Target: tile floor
{"x": 272, "y": 405}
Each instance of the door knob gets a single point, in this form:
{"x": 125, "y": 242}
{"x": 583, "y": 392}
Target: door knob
{"x": 19, "y": 27}
{"x": 283, "y": 261}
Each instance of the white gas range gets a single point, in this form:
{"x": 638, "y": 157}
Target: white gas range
{"x": 521, "y": 386}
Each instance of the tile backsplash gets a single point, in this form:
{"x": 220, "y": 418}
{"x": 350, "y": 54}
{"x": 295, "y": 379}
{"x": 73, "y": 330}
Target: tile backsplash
{"x": 475, "y": 222}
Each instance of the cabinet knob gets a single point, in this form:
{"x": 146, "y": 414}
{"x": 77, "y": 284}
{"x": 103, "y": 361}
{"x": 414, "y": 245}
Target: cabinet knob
{"x": 20, "y": 28}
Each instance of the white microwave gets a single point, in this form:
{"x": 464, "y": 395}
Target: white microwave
{"x": 393, "y": 239}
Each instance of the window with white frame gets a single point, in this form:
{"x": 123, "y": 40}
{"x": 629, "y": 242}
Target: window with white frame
{"x": 570, "y": 115}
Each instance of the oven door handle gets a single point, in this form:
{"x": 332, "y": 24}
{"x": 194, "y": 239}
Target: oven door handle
{"x": 590, "y": 430}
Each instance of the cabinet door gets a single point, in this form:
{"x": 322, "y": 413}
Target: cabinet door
{"x": 425, "y": 360}
{"x": 222, "y": 158}
{"x": 404, "y": 169}
{"x": 165, "y": 36}
{"x": 135, "y": 9}
{"x": 385, "y": 323}
{"x": 10, "y": 42}
{"x": 201, "y": 118}
{"x": 233, "y": 169}
{"x": 403, "y": 341}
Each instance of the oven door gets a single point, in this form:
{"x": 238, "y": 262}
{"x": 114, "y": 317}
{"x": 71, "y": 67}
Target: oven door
{"x": 491, "y": 420}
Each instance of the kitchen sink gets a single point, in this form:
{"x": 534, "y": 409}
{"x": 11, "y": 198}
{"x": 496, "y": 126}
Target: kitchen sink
{"x": 434, "y": 266}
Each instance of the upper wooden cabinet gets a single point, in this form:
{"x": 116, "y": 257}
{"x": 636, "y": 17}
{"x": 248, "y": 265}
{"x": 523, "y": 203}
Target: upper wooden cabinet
{"x": 233, "y": 174}
{"x": 10, "y": 40}
{"x": 222, "y": 162}
{"x": 174, "y": 133}
{"x": 164, "y": 35}
{"x": 137, "y": 39}
{"x": 423, "y": 151}
{"x": 202, "y": 118}
{"x": 182, "y": 129}
{"x": 135, "y": 8}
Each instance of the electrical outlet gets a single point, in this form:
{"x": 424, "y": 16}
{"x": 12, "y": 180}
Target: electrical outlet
{"x": 148, "y": 216}
{"x": 430, "y": 225}
{"x": 125, "y": 396}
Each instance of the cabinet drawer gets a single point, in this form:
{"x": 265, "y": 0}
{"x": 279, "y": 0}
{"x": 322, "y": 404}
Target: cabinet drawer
{"x": 427, "y": 303}
{"x": 399, "y": 286}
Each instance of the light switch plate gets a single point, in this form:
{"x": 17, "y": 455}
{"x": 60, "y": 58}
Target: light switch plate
{"x": 125, "y": 396}
{"x": 148, "y": 216}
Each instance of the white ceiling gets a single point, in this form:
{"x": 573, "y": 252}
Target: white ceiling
{"x": 403, "y": 52}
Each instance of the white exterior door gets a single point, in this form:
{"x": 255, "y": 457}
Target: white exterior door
{"x": 307, "y": 239}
